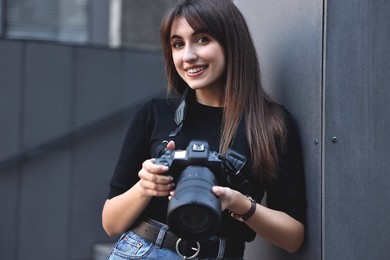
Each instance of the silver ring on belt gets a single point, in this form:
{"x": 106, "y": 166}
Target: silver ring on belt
{"x": 197, "y": 250}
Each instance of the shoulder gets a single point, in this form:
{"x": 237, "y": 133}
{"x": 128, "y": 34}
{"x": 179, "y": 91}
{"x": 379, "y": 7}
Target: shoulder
{"x": 154, "y": 113}
{"x": 286, "y": 130}
{"x": 158, "y": 103}
{"x": 281, "y": 114}
{"x": 290, "y": 123}
{"x": 156, "y": 106}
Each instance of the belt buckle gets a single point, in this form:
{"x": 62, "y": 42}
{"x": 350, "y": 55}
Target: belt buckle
{"x": 197, "y": 250}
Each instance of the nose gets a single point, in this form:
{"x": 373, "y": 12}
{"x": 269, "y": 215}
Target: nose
{"x": 189, "y": 54}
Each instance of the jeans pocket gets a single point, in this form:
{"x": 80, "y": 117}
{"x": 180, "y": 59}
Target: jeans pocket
{"x": 130, "y": 246}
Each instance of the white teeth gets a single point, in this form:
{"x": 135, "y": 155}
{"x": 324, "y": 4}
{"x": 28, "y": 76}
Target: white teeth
{"x": 195, "y": 70}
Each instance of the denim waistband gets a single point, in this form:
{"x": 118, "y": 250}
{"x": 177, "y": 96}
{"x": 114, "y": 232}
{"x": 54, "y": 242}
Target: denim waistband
{"x": 159, "y": 234}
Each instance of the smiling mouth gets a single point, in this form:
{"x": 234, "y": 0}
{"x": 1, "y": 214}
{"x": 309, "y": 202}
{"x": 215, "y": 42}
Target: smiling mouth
{"x": 196, "y": 70}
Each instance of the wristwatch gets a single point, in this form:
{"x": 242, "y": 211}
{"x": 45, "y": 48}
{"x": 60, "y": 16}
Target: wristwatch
{"x": 248, "y": 214}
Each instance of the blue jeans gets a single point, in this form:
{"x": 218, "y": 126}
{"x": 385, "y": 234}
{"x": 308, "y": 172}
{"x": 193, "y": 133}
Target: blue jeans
{"x": 132, "y": 246}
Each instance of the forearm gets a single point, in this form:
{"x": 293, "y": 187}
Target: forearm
{"x": 274, "y": 226}
{"x": 120, "y": 212}
{"x": 277, "y": 227}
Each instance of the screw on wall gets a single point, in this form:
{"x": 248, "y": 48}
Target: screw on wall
{"x": 334, "y": 139}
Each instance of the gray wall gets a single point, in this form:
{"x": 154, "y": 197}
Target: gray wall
{"x": 328, "y": 63}
{"x": 63, "y": 113}
{"x": 1, "y": 16}
{"x": 288, "y": 36}
{"x": 357, "y": 111}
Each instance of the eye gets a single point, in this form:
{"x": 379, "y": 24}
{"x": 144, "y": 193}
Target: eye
{"x": 177, "y": 44}
{"x": 203, "y": 39}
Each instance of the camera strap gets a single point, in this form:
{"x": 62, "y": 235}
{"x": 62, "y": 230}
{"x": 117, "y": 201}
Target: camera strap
{"x": 179, "y": 117}
{"x": 233, "y": 161}
{"x": 180, "y": 114}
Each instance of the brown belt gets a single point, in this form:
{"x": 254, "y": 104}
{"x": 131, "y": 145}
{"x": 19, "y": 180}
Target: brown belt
{"x": 149, "y": 229}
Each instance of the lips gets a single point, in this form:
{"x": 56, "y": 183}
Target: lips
{"x": 196, "y": 70}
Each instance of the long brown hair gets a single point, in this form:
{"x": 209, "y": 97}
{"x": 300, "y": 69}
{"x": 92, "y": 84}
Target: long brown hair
{"x": 244, "y": 97}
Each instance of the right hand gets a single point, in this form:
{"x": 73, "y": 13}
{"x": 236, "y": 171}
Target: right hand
{"x": 153, "y": 181}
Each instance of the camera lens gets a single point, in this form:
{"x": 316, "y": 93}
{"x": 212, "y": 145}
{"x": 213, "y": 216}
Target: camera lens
{"x": 194, "y": 218}
{"x": 194, "y": 212}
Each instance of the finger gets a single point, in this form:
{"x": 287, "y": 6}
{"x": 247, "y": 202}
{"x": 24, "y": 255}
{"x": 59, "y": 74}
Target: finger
{"x": 222, "y": 194}
{"x": 171, "y": 194}
{"x": 219, "y": 191}
{"x": 156, "y": 193}
{"x": 156, "y": 178}
{"x": 170, "y": 145}
{"x": 151, "y": 167}
{"x": 157, "y": 188}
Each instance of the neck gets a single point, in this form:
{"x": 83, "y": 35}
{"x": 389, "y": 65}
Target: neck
{"x": 209, "y": 98}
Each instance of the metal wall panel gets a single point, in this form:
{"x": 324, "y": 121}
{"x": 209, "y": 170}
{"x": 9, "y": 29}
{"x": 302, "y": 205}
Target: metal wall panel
{"x": 48, "y": 91}
{"x": 357, "y": 113}
{"x": 2, "y": 3}
{"x": 10, "y": 91}
{"x": 53, "y": 196}
{"x": 11, "y": 60}
{"x": 9, "y": 203}
{"x": 141, "y": 79}
{"x": 94, "y": 158}
{"x": 288, "y": 36}
{"x": 99, "y": 83}
{"x": 43, "y": 226}
{"x": 11, "y": 56}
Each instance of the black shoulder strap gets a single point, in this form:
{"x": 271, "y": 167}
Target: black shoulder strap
{"x": 180, "y": 114}
{"x": 233, "y": 161}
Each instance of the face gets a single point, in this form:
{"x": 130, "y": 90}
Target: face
{"x": 199, "y": 60}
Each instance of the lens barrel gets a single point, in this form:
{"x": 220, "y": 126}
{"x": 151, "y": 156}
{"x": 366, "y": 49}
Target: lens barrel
{"x": 194, "y": 212}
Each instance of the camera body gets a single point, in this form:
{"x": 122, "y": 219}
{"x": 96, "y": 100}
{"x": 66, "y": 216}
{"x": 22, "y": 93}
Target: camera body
{"x": 197, "y": 153}
{"x": 194, "y": 212}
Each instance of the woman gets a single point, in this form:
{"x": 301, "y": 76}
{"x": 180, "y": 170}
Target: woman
{"x": 211, "y": 63}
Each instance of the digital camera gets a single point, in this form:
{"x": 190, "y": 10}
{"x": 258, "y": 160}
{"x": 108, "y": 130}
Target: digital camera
{"x": 194, "y": 212}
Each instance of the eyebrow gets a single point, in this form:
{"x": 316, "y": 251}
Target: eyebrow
{"x": 175, "y": 36}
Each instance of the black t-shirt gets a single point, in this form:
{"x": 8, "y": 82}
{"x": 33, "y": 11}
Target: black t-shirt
{"x": 151, "y": 125}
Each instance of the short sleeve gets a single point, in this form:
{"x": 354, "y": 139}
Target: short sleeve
{"x": 133, "y": 153}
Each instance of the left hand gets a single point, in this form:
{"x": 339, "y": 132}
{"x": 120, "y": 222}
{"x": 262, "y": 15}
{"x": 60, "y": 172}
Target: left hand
{"x": 226, "y": 195}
